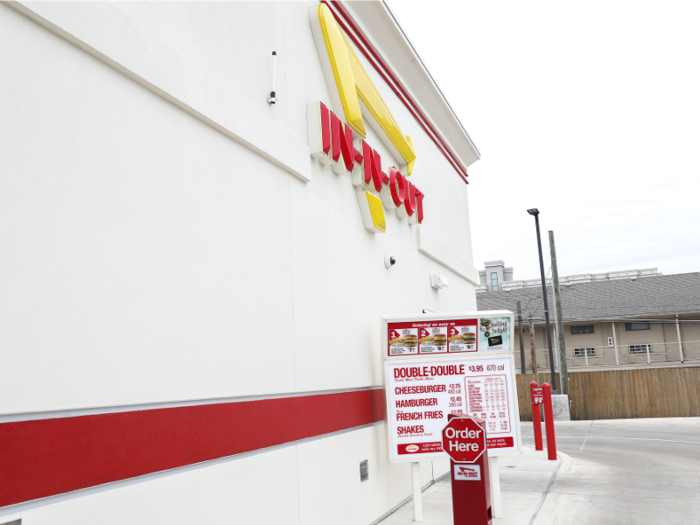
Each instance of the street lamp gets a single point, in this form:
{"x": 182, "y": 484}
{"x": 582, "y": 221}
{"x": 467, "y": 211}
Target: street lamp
{"x": 535, "y": 213}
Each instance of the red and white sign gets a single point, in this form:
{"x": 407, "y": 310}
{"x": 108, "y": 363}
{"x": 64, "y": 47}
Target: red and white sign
{"x": 464, "y": 440}
{"x": 467, "y": 472}
{"x": 421, "y": 394}
{"x": 432, "y": 337}
{"x": 536, "y": 395}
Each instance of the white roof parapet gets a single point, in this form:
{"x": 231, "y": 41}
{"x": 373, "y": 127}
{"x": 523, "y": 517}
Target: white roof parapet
{"x": 512, "y": 285}
{"x": 627, "y": 274}
{"x": 580, "y": 278}
{"x": 379, "y": 23}
{"x": 568, "y": 280}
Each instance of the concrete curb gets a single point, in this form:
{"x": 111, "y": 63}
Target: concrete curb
{"x": 521, "y": 504}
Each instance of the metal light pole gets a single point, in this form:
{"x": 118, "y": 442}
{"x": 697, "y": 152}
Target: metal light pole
{"x": 535, "y": 212}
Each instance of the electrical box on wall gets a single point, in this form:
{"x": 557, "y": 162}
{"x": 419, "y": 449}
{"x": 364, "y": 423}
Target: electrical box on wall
{"x": 364, "y": 470}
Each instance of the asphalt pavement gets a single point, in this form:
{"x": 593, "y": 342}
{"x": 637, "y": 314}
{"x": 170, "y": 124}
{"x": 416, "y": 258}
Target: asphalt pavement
{"x": 615, "y": 471}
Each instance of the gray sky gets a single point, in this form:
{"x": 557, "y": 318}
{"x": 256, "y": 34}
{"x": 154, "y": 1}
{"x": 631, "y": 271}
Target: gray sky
{"x": 589, "y": 111}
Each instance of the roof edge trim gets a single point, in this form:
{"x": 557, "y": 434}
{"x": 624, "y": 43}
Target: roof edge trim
{"x": 368, "y": 50}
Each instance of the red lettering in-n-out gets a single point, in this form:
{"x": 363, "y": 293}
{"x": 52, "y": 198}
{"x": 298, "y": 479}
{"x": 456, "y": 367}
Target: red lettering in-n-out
{"x": 336, "y": 146}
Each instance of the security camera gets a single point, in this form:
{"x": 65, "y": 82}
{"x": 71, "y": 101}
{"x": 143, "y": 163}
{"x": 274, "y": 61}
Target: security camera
{"x": 389, "y": 261}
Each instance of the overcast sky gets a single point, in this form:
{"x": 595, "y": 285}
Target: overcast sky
{"x": 589, "y": 111}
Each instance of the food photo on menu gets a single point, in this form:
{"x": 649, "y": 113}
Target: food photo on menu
{"x": 410, "y": 341}
{"x": 433, "y": 340}
{"x": 403, "y": 341}
{"x": 462, "y": 336}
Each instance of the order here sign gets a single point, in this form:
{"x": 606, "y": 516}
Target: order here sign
{"x": 463, "y": 439}
{"x": 422, "y": 391}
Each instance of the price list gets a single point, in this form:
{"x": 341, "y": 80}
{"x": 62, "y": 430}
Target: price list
{"x": 487, "y": 398}
{"x": 456, "y": 401}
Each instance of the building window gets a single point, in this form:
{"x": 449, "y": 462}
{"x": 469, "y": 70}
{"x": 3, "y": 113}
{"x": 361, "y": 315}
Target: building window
{"x": 494, "y": 282}
{"x": 633, "y": 327}
{"x": 583, "y": 329}
{"x": 639, "y": 349}
{"x": 580, "y": 352}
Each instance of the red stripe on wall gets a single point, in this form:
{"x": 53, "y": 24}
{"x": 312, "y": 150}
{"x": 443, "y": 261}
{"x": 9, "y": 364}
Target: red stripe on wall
{"x": 53, "y": 456}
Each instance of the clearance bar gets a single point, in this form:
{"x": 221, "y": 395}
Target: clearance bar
{"x": 373, "y": 57}
{"x": 47, "y": 457}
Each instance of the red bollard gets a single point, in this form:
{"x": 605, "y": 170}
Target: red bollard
{"x": 549, "y": 422}
{"x": 537, "y": 397}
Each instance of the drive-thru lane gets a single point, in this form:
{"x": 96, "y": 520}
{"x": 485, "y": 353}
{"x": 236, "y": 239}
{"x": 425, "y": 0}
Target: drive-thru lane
{"x": 621, "y": 472}
{"x": 636, "y": 471}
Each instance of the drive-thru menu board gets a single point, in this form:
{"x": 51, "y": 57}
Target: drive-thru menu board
{"x": 426, "y": 384}
{"x": 420, "y": 395}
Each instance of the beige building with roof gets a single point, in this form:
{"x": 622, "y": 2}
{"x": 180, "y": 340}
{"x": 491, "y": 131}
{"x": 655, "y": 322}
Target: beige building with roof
{"x": 632, "y": 318}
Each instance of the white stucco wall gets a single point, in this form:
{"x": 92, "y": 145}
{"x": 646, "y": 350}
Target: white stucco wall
{"x": 159, "y": 245}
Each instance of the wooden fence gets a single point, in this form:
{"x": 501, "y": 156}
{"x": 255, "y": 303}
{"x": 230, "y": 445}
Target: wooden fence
{"x": 622, "y": 394}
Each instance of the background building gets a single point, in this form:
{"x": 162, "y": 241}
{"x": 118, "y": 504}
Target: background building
{"x": 494, "y": 277}
{"x": 191, "y": 303}
{"x": 629, "y": 318}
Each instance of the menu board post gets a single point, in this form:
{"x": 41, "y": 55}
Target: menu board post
{"x": 417, "y": 492}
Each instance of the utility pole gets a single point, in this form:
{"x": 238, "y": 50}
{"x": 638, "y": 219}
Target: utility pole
{"x": 558, "y": 318}
{"x": 532, "y": 349}
{"x": 522, "y": 343}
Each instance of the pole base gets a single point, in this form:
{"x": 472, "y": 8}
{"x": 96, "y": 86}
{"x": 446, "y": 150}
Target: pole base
{"x": 560, "y": 407}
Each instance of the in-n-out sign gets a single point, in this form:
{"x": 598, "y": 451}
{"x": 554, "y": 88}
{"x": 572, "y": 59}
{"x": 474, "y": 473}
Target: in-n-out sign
{"x": 333, "y": 142}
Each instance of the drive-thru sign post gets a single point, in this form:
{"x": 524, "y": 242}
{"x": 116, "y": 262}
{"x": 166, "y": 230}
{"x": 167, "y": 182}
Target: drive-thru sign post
{"x": 464, "y": 440}
{"x": 436, "y": 365}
